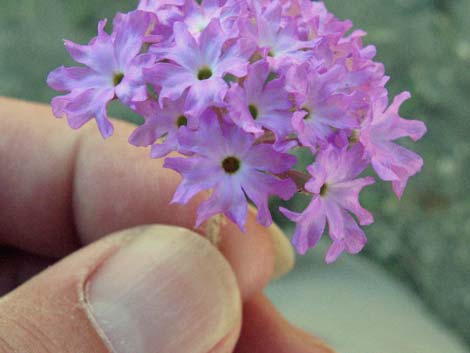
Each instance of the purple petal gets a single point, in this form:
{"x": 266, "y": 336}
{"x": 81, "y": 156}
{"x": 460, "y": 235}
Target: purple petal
{"x": 172, "y": 78}
{"x": 88, "y": 105}
{"x": 99, "y": 55}
{"x": 227, "y": 198}
{"x": 133, "y": 88}
{"x": 346, "y": 194}
{"x": 204, "y": 94}
{"x": 395, "y": 163}
{"x": 129, "y": 31}
{"x": 145, "y": 135}
{"x": 334, "y": 251}
{"x": 186, "y": 52}
{"x": 204, "y": 140}
{"x": 234, "y": 61}
{"x": 258, "y": 73}
{"x": 260, "y": 186}
{"x": 160, "y": 150}
{"x": 198, "y": 175}
{"x": 310, "y": 225}
{"x": 264, "y": 157}
{"x": 352, "y": 240}
{"x": 211, "y": 41}
{"x": 70, "y": 78}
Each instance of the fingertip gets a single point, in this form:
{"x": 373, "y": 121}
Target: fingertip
{"x": 251, "y": 254}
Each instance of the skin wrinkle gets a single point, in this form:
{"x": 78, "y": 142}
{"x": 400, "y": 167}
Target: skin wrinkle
{"x": 5, "y": 347}
{"x": 40, "y": 338}
{"x": 22, "y": 324}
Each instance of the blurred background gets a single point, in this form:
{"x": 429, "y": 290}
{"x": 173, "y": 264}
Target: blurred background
{"x": 418, "y": 255}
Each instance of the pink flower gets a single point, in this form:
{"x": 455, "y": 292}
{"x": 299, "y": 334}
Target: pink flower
{"x": 364, "y": 78}
{"x": 279, "y": 43}
{"x": 335, "y": 191}
{"x": 226, "y": 160}
{"x": 259, "y": 104}
{"x": 199, "y": 66}
{"x": 391, "y": 161}
{"x": 161, "y": 123}
{"x": 316, "y": 21}
{"x": 113, "y": 68}
{"x": 321, "y": 109}
{"x": 198, "y": 16}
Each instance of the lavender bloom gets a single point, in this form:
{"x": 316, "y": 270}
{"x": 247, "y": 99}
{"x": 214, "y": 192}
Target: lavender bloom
{"x": 320, "y": 108}
{"x": 391, "y": 161}
{"x": 335, "y": 191}
{"x": 278, "y": 43}
{"x": 161, "y": 124}
{"x": 226, "y": 160}
{"x": 199, "y": 66}
{"x": 113, "y": 68}
{"x": 260, "y": 105}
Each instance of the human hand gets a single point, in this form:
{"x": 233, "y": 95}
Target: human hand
{"x": 144, "y": 288}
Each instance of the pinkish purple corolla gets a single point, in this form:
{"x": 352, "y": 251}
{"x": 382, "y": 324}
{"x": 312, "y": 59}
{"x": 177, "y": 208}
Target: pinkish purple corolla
{"x": 235, "y": 87}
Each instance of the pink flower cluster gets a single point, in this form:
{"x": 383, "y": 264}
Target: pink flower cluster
{"x": 234, "y": 86}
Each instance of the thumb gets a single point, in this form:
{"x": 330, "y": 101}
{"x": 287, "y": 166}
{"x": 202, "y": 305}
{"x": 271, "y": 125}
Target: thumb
{"x": 145, "y": 290}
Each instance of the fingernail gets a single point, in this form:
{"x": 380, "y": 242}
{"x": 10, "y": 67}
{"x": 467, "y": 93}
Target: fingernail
{"x": 284, "y": 252}
{"x": 168, "y": 290}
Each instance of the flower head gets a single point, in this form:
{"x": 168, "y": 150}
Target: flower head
{"x": 234, "y": 86}
{"x": 226, "y": 160}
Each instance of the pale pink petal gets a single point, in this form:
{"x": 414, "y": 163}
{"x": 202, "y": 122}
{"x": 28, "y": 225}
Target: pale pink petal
{"x": 129, "y": 32}
{"x": 99, "y": 55}
{"x": 204, "y": 94}
{"x": 172, "y": 78}
{"x": 198, "y": 174}
{"x": 70, "y": 78}
{"x": 259, "y": 186}
{"x": 310, "y": 225}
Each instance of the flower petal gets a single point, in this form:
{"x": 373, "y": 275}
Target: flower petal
{"x": 310, "y": 225}
{"x": 98, "y": 55}
{"x": 129, "y": 31}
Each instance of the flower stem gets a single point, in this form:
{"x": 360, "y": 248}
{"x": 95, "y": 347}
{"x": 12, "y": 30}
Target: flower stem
{"x": 213, "y": 229}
